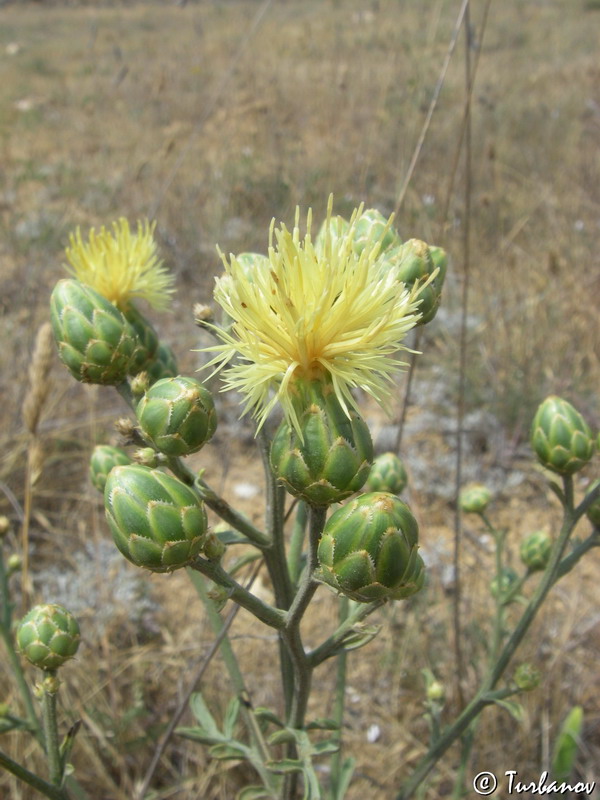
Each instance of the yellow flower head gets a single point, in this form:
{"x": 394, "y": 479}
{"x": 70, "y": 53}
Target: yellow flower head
{"x": 121, "y": 265}
{"x": 325, "y": 314}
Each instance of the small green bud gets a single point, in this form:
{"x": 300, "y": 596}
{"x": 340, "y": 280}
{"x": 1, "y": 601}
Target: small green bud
{"x": 593, "y": 512}
{"x": 475, "y": 498}
{"x": 14, "y": 564}
{"x": 372, "y": 227}
{"x": 164, "y": 364}
{"x": 48, "y": 635}
{"x": 436, "y": 692}
{"x": 387, "y": 474}
{"x": 139, "y": 384}
{"x": 332, "y": 458}
{"x": 146, "y": 456}
{"x": 157, "y": 522}
{"x": 527, "y": 677}
{"x": 4, "y": 526}
{"x": 214, "y": 549}
{"x": 104, "y": 457}
{"x": 535, "y": 550}
{"x": 369, "y": 549}
{"x": 177, "y": 415}
{"x": 95, "y": 341}
{"x": 501, "y": 588}
{"x": 560, "y": 437}
{"x": 202, "y": 314}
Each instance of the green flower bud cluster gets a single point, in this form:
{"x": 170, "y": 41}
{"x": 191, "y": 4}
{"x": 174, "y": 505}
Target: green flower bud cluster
{"x": 535, "y": 550}
{"x": 475, "y": 498}
{"x": 156, "y": 520}
{"x": 387, "y": 474}
{"x": 330, "y": 457}
{"x": 561, "y": 438}
{"x": 104, "y": 457}
{"x": 369, "y": 549}
{"x": 95, "y": 341}
{"x": 413, "y": 263}
{"x": 177, "y": 415}
{"x": 48, "y": 635}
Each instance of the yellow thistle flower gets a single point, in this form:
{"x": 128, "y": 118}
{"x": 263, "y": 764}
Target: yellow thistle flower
{"x": 328, "y": 314}
{"x": 121, "y": 265}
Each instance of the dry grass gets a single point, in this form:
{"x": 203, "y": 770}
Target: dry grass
{"x": 113, "y": 111}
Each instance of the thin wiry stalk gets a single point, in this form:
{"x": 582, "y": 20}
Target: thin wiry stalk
{"x": 460, "y": 405}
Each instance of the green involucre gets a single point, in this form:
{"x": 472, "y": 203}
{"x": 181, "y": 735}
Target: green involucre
{"x": 560, "y": 437}
{"x": 48, "y": 635}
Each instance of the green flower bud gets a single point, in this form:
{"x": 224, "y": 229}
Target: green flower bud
{"x": 412, "y": 264}
{"x": 475, "y": 498}
{"x": 139, "y": 384}
{"x": 156, "y": 521}
{"x": 369, "y": 549}
{"x": 500, "y": 589}
{"x": 214, "y": 549}
{"x": 104, "y": 457}
{"x": 337, "y": 228}
{"x": 593, "y": 512}
{"x": 372, "y": 227}
{"x": 560, "y": 437}
{"x": 14, "y": 564}
{"x": 147, "y": 338}
{"x": 177, "y": 415}
{"x": 387, "y": 474}
{"x": 147, "y": 456}
{"x": 535, "y": 550}
{"x": 164, "y": 364}
{"x": 48, "y": 635}
{"x": 94, "y": 339}
{"x": 527, "y": 677}
{"x": 332, "y": 458}
{"x": 4, "y": 525}
{"x": 436, "y": 692}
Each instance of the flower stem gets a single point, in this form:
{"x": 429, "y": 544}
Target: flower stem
{"x": 49, "y": 695}
{"x": 42, "y": 786}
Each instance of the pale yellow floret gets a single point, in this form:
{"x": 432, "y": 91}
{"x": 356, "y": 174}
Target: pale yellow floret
{"x": 305, "y": 314}
{"x": 121, "y": 265}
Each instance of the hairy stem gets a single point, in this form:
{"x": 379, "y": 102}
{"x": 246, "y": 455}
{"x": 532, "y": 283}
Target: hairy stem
{"x": 49, "y": 695}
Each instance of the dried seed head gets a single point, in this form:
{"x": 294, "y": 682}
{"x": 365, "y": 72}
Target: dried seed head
{"x": 41, "y": 361}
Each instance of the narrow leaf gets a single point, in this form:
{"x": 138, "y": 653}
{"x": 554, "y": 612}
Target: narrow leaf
{"x": 284, "y": 765}
{"x": 203, "y": 715}
{"x": 565, "y": 749}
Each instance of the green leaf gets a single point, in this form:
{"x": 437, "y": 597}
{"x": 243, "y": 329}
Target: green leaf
{"x": 199, "y": 735}
{"x": 565, "y": 749}
{"x": 360, "y": 636}
{"x": 228, "y": 751}
{"x": 231, "y": 715}
{"x": 284, "y": 765}
{"x": 286, "y": 736}
{"x": 11, "y": 723}
{"x": 322, "y": 724}
{"x": 232, "y": 537}
{"x": 266, "y": 715}
{"x": 515, "y": 709}
{"x": 253, "y": 793}
{"x": 205, "y": 718}
{"x": 326, "y": 747}
{"x": 344, "y": 779}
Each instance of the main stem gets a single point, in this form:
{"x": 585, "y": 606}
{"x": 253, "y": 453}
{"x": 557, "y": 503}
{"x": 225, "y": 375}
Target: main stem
{"x": 49, "y": 695}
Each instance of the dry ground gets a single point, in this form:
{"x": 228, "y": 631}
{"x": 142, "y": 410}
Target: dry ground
{"x": 176, "y": 113}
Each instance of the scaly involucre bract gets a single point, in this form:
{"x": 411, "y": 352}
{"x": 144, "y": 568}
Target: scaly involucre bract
{"x": 121, "y": 265}
{"x": 304, "y": 314}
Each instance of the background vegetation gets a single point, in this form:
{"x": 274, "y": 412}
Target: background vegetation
{"x": 212, "y": 117}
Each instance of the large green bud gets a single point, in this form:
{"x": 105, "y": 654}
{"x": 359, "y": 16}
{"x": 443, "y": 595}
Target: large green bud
{"x": 329, "y": 458}
{"x": 177, "y": 415}
{"x": 48, "y": 635}
{"x": 104, "y": 457}
{"x": 147, "y": 340}
{"x": 535, "y": 550}
{"x": 372, "y": 227}
{"x": 369, "y": 549}
{"x": 94, "y": 339}
{"x": 156, "y": 521}
{"x": 560, "y": 437}
{"x": 387, "y": 474}
{"x": 163, "y": 365}
{"x": 413, "y": 263}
